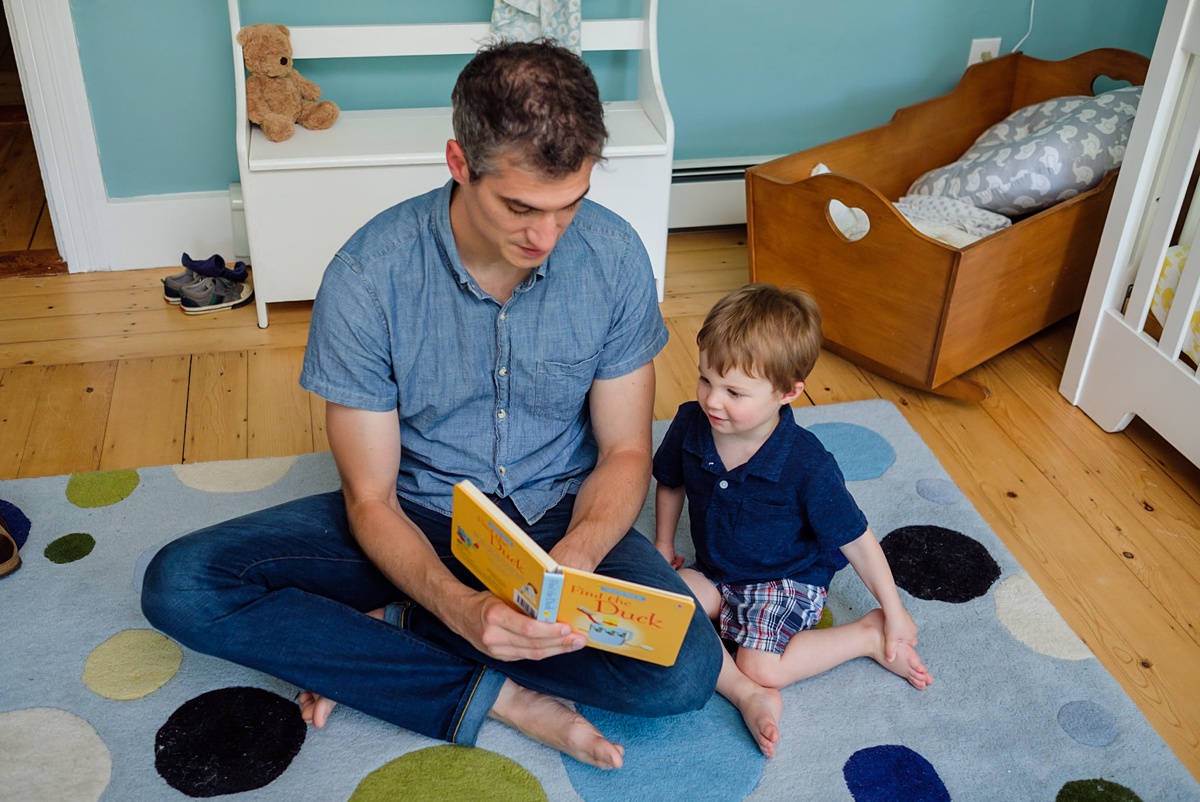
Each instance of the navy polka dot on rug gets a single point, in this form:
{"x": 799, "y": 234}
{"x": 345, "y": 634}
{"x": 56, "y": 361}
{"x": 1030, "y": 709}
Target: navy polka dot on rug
{"x": 17, "y": 523}
{"x": 938, "y": 564}
{"x": 228, "y": 741}
{"x": 890, "y": 772}
{"x": 1096, "y": 790}
{"x": 1088, "y": 723}
{"x": 860, "y": 452}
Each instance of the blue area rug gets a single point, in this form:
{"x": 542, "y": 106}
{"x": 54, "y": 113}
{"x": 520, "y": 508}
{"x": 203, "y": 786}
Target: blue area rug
{"x": 96, "y": 705}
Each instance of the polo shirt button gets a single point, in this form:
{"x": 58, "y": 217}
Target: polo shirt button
{"x": 501, "y": 414}
{"x": 724, "y": 484}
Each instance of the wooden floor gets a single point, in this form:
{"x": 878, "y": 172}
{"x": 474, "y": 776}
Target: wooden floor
{"x": 97, "y": 372}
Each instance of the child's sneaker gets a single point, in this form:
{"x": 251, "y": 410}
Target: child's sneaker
{"x": 214, "y": 294}
{"x": 195, "y": 270}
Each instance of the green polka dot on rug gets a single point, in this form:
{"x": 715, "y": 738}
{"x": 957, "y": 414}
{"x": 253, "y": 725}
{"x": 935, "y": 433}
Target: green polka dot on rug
{"x": 450, "y": 772}
{"x": 1096, "y": 790}
{"x": 101, "y": 488}
{"x": 69, "y": 548}
{"x": 132, "y": 664}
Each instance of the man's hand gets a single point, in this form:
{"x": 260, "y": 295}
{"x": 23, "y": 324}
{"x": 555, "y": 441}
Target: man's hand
{"x": 495, "y": 629}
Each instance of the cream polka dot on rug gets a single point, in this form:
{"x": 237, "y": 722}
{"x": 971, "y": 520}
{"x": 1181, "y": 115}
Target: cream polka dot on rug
{"x": 1027, "y": 614}
{"x": 449, "y": 772}
{"x": 234, "y": 476}
{"x": 131, "y": 664}
{"x": 46, "y": 753}
{"x": 102, "y": 488}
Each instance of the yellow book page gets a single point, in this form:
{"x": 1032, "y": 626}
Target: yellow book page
{"x": 625, "y": 617}
{"x": 508, "y": 562}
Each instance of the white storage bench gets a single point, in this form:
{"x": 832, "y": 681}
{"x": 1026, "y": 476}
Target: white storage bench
{"x": 304, "y": 197}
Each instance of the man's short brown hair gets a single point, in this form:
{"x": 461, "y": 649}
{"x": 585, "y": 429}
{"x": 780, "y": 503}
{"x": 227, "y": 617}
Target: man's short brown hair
{"x": 536, "y": 100}
{"x": 764, "y": 331}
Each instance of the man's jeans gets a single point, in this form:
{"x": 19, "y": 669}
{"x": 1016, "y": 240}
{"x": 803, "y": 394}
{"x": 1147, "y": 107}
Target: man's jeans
{"x": 284, "y": 591}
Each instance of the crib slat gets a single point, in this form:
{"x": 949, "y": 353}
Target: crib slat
{"x": 1175, "y": 171}
{"x": 1187, "y": 293}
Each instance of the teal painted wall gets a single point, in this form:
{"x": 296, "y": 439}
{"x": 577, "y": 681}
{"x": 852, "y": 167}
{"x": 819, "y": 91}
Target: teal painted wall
{"x": 743, "y": 78}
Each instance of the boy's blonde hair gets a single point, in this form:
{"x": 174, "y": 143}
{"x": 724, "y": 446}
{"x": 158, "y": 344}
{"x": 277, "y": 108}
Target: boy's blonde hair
{"x": 763, "y": 331}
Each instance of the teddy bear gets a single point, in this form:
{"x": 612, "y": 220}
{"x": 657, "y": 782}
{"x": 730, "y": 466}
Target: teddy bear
{"x": 277, "y": 96}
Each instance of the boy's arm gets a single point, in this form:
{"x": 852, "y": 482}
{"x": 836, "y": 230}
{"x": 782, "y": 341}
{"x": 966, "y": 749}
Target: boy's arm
{"x": 869, "y": 561}
{"x": 668, "y": 506}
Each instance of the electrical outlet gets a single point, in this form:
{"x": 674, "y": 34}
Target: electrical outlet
{"x": 983, "y": 50}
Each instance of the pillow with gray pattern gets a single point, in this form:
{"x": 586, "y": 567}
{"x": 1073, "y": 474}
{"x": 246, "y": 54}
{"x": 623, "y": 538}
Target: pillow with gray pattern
{"x": 1039, "y": 155}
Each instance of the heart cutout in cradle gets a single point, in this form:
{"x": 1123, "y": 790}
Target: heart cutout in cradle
{"x": 850, "y": 222}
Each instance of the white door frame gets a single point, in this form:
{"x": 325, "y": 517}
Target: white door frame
{"x": 47, "y": 54}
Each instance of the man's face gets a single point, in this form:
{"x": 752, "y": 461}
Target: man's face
{"x": 513, "y": 214}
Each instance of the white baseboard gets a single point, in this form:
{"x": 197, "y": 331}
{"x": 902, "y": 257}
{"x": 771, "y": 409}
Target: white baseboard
{"x": 154, "y": 230}
{"x": 708, "y": 203}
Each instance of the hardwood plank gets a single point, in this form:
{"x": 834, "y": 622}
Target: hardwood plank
{"x": 66, "y": 434}
{"x": 1120, "y": 499}
{"x": 60, "y": 287}
{"x": 320, "y": 436}
{"x": 20, "y": 390}
{"x": 1136, "y": 640}
{"x": 43, "y": 234}
{"x": 675, "y": 368}
{"x": 705, "y": 239}
{"x": 216, "y": 410}
{"x": 136, "y": 344}
{"x": 24, "y": 309}
{"x": 834, "y": 380}
{"x": 279, "y": 417}
{"x": 148, "y": 414}
{"x": 1182, "y": 471}
{"x": 21, "y": 192}
{"x": 44, "y": 262}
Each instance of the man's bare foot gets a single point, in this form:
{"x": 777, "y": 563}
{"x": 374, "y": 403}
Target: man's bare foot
{"x": 549, "y": 721}
{"x": 314, "y": 708}
{"x": 906, "y": 663}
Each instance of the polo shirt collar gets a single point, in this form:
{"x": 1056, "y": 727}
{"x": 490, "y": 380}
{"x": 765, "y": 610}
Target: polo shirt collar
{"x": 767, "y": 462}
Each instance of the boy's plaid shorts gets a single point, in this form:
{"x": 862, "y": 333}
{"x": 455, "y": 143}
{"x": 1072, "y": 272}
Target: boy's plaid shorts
{"x": 765, "y": 615}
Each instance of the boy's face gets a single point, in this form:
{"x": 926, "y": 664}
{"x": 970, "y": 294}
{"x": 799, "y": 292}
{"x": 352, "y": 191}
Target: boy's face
{"x": 740, "y": 404}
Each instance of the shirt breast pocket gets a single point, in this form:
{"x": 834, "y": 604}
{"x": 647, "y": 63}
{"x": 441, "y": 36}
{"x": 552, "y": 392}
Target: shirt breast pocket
{"x": 560, "y": 389}
{"x": 763, "y": 525}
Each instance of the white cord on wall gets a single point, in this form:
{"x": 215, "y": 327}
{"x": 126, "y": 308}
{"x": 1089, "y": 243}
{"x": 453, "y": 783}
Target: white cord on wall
{"x": 1017, "y": 47}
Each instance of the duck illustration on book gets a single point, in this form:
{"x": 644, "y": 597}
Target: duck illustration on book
{"x": 617, "y": 616}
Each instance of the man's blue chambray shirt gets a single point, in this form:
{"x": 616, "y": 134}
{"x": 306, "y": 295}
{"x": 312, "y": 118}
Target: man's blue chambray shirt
{"x": 495, "y": 394}
{"x": 781, "y": 515}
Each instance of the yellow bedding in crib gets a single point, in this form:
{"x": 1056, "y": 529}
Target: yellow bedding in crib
{"x": 1164, "y": 294}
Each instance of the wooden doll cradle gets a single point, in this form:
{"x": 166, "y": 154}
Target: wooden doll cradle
{"x": 902, "y": 304}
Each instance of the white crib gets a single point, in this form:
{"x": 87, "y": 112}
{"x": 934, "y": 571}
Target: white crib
{"x": 1118, "y": 367}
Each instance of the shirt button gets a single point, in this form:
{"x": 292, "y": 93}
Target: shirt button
{"x": 503, "y": 315}
{"x": 503, "y": 371}
{"x": 501, "y": 414}
{"x": 501, "y": 470}
{"x": 723, "y": 484}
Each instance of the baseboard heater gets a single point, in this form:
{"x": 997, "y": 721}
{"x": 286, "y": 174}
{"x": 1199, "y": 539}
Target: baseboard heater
{"x": 710, "y": 192}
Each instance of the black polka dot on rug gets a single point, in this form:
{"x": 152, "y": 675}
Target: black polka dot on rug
{"x": 939, "y": 564}
{"x": 228, "y": 741}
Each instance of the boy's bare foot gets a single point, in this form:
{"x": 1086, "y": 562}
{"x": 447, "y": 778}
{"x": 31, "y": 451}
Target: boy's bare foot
{"x": 549, "y": 721}
{"x": 315, "y": 709}
{"x": 906, "y": 663}
{"x": 761, "y": 710}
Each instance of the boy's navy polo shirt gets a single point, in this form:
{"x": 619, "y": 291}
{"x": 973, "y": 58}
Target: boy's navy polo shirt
{"x": 782, "y": 515}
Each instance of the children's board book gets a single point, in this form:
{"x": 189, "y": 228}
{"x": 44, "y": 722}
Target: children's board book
{"x": 617, "y": 616}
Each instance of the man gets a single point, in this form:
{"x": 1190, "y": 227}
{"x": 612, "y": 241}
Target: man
{"x": 500, "y": 329}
